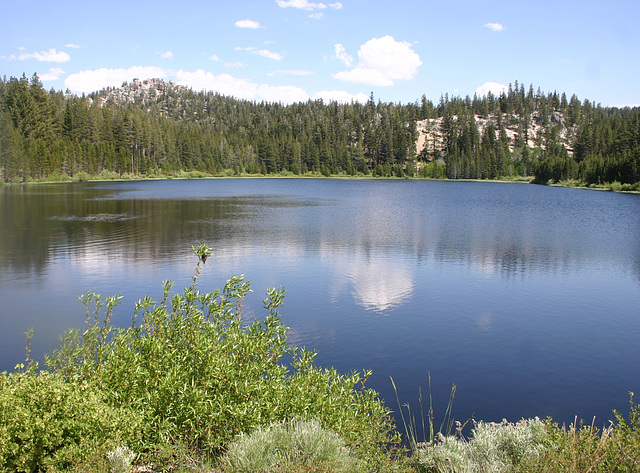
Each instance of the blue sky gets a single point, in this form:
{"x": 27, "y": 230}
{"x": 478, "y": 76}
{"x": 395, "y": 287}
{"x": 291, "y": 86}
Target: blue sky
{"x": 296, "y": 50}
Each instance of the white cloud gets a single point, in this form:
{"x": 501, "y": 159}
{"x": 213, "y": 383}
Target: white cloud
{"x": 628, "y": 105}
{"x": 93, "y": 80}
{"x": 235, "y": 64}
{"x": 291, "y": 72}
{"x": 97, "y": 79}
{"x": 214, "y": 57}
{"x": 307, "y": 5}
{"x": 494, "y": 87}
{"x": 261, "y": 52}
{"x": 284, "y": 94}
{"x": 52, "y": 55}
{"x": 54, "y": 73}
{"x": 166, "y": 55}
{"x": 72, "y": 45}
{"x": 341, "y": 54}
{"x": 254, "y": 25}
{"x": 381, "y": 62}
{"x": 340, "y": 96}
{"x": 269, "y": 54}
{"x": 226, "y": 84}
{"x": 494, "y": 26}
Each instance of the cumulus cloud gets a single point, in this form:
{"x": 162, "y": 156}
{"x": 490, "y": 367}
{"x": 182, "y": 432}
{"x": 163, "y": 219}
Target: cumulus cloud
{"x": 226, "y": 84}
{"x": 494, "y": 87}
{"x": 307, "y": 5}
{"x": 97, "y": 79}
{"x": 340, "y": 96}
{"x": 54, "y": 73}
{"x": 284, "y": 94}
{"x": 72, "y": 45}
{"x": 254, "y": 25}
{"x": 261, "y": 52}
{"x": 52, "y": 55}
{"x": 494, "y": 26}
{"x": 341, "y": 54}
{"x": 381, "y": 61}
{"x": 269, "y": 54}
{"x": 290, "y": 72}
{"x": 166, "y": 55}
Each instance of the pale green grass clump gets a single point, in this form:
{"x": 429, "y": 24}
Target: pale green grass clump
{"x": 293, "y": 446}
{"x": 495, "y": 447}
{"x": 121, "y": 459}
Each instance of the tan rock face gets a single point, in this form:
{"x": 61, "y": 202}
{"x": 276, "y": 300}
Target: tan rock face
{"x": 431, "y": 134}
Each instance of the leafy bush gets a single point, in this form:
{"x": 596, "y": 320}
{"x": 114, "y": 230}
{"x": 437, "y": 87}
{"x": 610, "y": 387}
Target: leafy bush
{"x": 200, "y": 374}
{"x": 289, "y": 447}
{"x": 229, "y": 172}
{"x": 55, "y": 177}
{"x": 81, "y": 176}
{"x": 49, "y": 424}
{"x": 107, "y": 174}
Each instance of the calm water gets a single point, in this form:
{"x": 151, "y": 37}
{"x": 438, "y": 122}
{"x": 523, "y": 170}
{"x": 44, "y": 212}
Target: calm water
{"x": 526, "y": 297}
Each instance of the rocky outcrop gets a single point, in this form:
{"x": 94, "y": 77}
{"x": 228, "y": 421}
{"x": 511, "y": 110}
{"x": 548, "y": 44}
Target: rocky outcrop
{"x": 431, "y": 132}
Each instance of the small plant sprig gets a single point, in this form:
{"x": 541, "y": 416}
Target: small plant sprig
{"x": 202, "y": 252}
{"x": 121, "y": 459}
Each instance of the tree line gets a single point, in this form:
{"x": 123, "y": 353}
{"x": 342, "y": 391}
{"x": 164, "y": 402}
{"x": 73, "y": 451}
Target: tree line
{"x": 158, "y": 128}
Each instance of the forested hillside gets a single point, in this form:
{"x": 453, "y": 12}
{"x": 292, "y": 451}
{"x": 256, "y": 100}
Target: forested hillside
{"x": 154, "y": 128}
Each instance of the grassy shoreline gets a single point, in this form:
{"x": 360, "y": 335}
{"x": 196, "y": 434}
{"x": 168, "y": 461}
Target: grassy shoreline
{"x": 230, "y": 174}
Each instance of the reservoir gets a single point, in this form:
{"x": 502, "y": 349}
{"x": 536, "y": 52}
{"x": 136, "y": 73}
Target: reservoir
{"x": 526, "y": 297}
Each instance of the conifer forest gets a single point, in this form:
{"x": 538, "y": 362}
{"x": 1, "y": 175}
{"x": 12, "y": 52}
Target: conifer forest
{"x": 155, "y": 128}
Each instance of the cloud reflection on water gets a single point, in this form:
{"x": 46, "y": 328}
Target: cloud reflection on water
{"x": 380, "y": 286}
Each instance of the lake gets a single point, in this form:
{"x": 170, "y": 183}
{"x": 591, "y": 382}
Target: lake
{"x": 526, "y": 297}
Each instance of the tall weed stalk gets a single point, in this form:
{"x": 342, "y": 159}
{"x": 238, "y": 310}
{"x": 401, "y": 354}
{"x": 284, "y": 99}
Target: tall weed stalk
{"x": 410, "y": 423}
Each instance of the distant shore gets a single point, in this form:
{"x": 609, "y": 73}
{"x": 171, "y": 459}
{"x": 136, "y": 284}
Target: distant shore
{"x": 229, "y": 174}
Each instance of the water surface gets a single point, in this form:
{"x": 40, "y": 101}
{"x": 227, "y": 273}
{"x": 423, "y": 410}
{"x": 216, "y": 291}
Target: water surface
{"x": 526, "y": 297}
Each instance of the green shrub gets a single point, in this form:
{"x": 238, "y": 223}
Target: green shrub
{"x": 107, "y": 174}
{"x": 49, "y": 424}
{"x": 81, "y": 176}
{"x": 289, "y": 447}
{"x": 200, "y": 374}
{"x": 56, "y": 177}
{"x": 229, "y": 172}
{"x": 626, "y": 455}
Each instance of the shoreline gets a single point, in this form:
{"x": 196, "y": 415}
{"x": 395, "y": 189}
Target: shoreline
{"x": 608, "y": 187}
